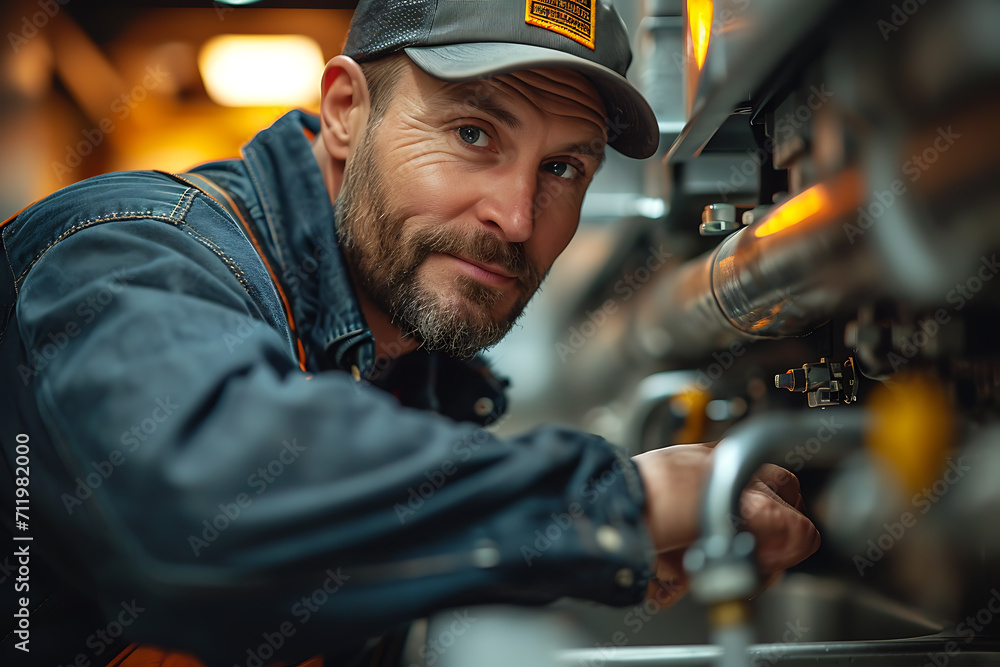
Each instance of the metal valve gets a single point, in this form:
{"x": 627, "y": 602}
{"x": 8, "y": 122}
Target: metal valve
{"x": 718, "y": 219}
{"x": 825, "y": 383}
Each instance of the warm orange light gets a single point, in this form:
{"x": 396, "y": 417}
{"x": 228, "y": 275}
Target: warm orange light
{"x": 700, "y": 14}
{"x": 799, "y": 208}
{"x": 833, "y": 198}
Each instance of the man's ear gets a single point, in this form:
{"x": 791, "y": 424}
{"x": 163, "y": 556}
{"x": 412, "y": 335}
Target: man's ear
{"x": 344, "y": 107}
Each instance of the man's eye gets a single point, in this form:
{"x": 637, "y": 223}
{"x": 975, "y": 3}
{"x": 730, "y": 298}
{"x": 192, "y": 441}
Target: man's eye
{"x": 561, "y": 169}
{"x": 473, "y": 136}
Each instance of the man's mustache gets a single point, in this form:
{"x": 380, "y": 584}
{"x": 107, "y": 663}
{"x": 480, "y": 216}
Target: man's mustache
{"x": 483, "y": 247}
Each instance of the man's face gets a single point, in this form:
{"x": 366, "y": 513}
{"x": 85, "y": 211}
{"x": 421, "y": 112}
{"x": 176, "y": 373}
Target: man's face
{"x": 456, "y": 204}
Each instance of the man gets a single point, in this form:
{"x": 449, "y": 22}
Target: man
{"x": 253, "y": 432}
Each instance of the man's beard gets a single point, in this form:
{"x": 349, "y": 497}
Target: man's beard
{"x": 385, "y": 258}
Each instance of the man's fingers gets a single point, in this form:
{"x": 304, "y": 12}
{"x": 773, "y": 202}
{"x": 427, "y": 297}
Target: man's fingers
{"x": 671, "y": 582}
{"x": 785, "y": 536}
{"x": 783, "y": 483}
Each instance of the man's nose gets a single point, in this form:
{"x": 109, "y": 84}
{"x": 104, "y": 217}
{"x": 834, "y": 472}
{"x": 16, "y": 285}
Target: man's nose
{"x": 509, "y": 202}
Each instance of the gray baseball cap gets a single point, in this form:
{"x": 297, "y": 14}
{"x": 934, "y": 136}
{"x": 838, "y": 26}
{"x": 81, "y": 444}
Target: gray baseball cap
{"x": 464, "y": 40}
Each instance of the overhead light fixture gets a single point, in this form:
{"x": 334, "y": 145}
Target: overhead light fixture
{"x": 261, "y": 70}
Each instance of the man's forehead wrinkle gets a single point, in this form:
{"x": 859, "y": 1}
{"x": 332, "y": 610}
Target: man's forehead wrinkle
{"x": 564, "y": 100}
{"x": 564, "y": 83}
{"x": 475, "y": 96}
{"x": 553, "y": 106}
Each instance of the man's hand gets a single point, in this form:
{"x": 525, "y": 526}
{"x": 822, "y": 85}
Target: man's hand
{"x": 771, "y": 506}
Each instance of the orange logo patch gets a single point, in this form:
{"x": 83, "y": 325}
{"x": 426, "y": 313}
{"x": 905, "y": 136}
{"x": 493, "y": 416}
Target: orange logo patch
{"x": 572, "y": 18}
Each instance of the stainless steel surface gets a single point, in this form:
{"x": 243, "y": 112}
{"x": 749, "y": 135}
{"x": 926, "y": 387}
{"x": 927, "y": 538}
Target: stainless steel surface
{"x": 802, "y": 617}
{"x": 912, "y": 653}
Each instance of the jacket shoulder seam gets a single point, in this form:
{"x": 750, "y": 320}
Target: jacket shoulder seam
{"x": 66, "y": 233}
{"x": 183, "y": 205}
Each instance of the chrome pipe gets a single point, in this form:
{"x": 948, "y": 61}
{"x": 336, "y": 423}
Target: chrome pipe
{"x": 781, "y": 276}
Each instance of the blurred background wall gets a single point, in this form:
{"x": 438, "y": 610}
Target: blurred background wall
{"x": 90, "y": 87}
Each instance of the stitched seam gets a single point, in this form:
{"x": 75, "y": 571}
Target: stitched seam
{"x": 210, "y": 200}
{"x": 195, "y": 191}
{"x": 187, "y": 195}
{"x": 237, "y": 272}
{"x": 124, "y": 215}
{"x": 10, "y": 266}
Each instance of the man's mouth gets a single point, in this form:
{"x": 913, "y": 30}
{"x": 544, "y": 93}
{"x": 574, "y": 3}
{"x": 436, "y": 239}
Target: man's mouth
{"x": 491, "y": 274}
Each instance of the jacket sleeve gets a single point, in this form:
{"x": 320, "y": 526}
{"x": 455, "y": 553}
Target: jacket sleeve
{"x": 197, "y": 471}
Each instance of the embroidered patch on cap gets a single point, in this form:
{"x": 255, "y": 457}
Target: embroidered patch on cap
{"x": 573, "y": 18}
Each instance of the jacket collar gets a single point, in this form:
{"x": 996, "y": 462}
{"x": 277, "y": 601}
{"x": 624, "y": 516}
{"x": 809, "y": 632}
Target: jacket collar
{"x": 298, "y": 224}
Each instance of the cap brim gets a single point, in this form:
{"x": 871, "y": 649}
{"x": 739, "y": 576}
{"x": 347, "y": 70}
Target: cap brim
{"x": 632, "y": 126}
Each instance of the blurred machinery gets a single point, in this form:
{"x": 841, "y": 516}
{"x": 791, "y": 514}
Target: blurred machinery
{"x": 827, "y": 303}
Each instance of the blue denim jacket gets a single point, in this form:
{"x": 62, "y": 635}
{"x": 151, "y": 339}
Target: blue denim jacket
{"x": 216, "y": 453}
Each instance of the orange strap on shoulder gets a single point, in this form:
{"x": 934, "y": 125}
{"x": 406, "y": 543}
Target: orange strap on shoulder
{"x": 237, "y": 213}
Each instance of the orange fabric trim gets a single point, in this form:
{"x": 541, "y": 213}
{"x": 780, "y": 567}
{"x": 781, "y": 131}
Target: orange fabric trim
{"x": 263, "y": 257}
